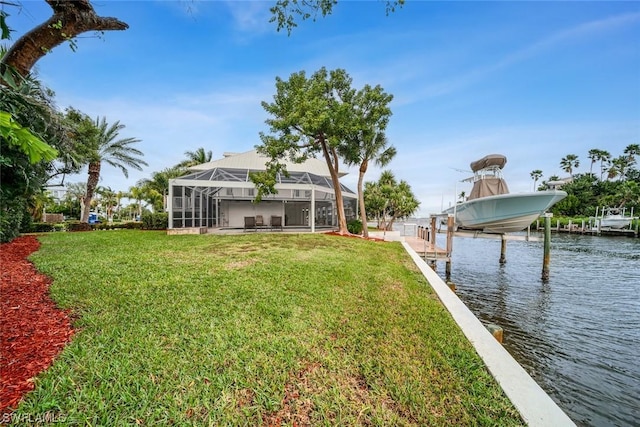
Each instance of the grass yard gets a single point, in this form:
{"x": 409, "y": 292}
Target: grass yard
{"x": 255, "y": 329}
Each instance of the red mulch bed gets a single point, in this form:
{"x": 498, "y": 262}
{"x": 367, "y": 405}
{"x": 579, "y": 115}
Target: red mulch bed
{"x": 33, "y": 331}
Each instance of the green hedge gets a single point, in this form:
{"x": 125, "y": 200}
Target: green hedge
{"x": 155, "y": 221}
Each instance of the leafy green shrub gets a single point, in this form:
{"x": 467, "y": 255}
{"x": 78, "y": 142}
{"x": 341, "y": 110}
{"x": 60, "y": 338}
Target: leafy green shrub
{"x": 155, "y": 221}
{"x": 11, "y": 215}
{"x": 41, "y": 227}
{"x": 131, "y": 225}
{"x": 354, "y": 226}
{"x": 78, "y": 226}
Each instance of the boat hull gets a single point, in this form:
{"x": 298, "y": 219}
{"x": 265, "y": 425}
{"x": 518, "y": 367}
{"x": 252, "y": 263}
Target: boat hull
{"x": 504, "y": 213}
{"x": 615, "y": 221}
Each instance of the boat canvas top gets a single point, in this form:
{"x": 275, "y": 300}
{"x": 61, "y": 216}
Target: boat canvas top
{"x": 487, "y": 179}
{"x": 488, "y": 187}
{"x": 489, "y": 161}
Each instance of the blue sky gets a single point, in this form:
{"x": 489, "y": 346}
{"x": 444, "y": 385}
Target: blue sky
{"x": 534, "y": 81}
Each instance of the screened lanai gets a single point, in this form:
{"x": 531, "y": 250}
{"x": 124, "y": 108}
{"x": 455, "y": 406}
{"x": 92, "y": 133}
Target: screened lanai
{"x": 220, "y": 194}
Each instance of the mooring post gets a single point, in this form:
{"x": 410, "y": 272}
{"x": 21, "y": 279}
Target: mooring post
{"x": 450, "y": 226}
{"x": 547, "y": 247}
{"x": 503, "y": 249}
{"x": 432, "y": 236}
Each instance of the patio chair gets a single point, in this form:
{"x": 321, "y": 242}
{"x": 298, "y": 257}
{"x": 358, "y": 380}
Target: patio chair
{"x": 276, "y": 222}
{"x": 259, "y": 221}
{"x": 249, "y": 223}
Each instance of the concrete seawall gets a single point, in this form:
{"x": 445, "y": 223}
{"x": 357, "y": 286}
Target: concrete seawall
{"x": 533, "y": 403}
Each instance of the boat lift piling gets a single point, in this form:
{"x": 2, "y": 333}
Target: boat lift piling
{"x": 450, "y": 227}
{"x": 547, "y": 247}
{"x": 503, "y": 250}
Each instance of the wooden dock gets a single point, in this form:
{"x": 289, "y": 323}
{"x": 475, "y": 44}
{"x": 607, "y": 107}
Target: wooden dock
{"x": 427, "y": 250}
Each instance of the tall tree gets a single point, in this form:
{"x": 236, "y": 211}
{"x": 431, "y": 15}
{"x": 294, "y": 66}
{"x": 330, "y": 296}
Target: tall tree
{"x": 594, "y": 156}
{"x": 390, "y": 199}
{"x": 368, "y": 143}
{"x": 632, "y": 150}
{"x": 310, "y": 116}
{"x": 108, "y": 200}
{"x": 569, "y": 163}
{"x": 619, "y": 167}
{"x": 115, "y": 152}
{"x": 536, "y": 175}
{"x": 605, "y": 158}
{"x": 197, "y": 157}
{"x": 137, "y": 194}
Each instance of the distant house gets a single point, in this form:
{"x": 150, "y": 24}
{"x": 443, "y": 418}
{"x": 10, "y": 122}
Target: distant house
{"x": 557, "y": 184}
{"x": 220, "y": 194}
{"x": 58, "y": 192}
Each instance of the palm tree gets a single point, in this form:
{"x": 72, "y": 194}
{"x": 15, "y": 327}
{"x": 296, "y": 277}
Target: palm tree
{"x": 197, "y": 157}
{"x": 75, "y": 194}
{"x": 118, "y": 153}
{"x": 159, "y": 182}
{"x": 109, "y": 199}
{"x": 632, "y": 150}
{"x": 137, "y": 194}
{"x": 536, "y": 175}
{"x": 368, "y": 147}
{"x": 605, "y": 158}
{"x": 569, "y": 162}
{"x": 594, "y": 156}
{"x": 620, "y": 165}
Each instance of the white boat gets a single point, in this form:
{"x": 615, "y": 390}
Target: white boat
{"x": 615, "y": 218}
{"x": 491, "y": 208}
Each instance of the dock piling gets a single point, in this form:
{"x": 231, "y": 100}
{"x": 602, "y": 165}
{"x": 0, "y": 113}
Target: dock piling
{"x": 547, "y": 247}
{"x": 503, "y": 250}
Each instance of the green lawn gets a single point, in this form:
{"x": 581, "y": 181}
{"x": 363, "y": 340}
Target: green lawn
{"x": 255, "y": 329}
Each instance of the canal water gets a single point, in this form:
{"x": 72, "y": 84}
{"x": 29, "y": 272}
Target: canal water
{"x": 578, "y": 335}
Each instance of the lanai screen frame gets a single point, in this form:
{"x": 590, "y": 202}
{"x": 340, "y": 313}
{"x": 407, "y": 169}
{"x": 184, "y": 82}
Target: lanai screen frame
{"x": 211, "y": 190}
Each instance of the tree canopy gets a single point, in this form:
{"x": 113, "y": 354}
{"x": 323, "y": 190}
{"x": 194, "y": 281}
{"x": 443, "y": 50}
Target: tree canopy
{"x": 322, "y": 115}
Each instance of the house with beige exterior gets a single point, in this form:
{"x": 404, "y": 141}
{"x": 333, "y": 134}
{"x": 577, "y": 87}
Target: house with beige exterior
{"x": 220, "y": 194}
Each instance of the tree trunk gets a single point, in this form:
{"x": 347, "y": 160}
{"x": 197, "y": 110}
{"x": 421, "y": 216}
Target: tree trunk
{"x": 92, "y": 183}
{"x": 333, "y": 170}
{"x": 69, "y": 19}
{"x": 363, "y": 213}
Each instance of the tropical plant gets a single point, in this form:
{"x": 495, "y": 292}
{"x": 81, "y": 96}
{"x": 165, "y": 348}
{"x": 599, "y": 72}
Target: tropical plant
{"x": 368, "y": 147}
{"x": 108, "y": 200}
{"x": 569, "y": 163}
{"x": 197, "y": 157}
{"x": 536, "y": 175}
{"x": 605, "y": 159}
{"x": 159, "y": 183}
{"x": 115, "y": 152}
{"x": 390, "y": 200}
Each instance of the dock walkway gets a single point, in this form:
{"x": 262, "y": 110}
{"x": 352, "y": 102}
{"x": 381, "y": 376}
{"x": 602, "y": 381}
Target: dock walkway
{"x": 426, "y": 249}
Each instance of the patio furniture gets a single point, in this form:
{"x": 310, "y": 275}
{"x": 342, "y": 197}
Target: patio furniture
{"x": 276, "y": 222}
{"x": 249, "y": 223}
{"x": 259, "y": 221}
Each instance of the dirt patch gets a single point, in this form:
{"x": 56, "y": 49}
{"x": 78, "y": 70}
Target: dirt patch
{"x": 33, "y": 330}
{"x": 295, "y": 408}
